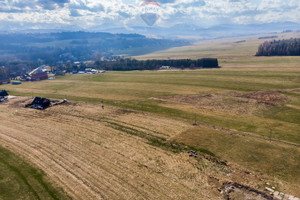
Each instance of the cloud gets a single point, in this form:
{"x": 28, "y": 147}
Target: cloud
{"x": 165, "y": 1}
{"x": 124, "y": 14}
{"x": 52, "y": 4}
{"x": 75, "y": 13}
{"x": 10, "y": 10}
{"x": 91, "y": 13}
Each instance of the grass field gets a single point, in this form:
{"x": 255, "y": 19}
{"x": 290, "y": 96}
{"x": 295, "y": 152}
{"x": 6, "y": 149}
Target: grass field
{"x": 148, "y": 91}
{"x": 20, "y": 180}
{"x": 106, "y": 154}
{"x": 124, "y": 154}
{"x": 247, "y": 113}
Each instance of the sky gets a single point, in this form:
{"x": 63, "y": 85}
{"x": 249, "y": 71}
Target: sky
{"x": 90, "y": 14}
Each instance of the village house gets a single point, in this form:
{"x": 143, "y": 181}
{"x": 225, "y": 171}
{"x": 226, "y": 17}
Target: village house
{"x": 38, "y": 74}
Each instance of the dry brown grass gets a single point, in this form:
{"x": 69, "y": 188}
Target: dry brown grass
{"x": 256, "y": 153}
{"x": 234, "y": 102}
{"x": 80, "y": 149}
{"x": 92, "y": 160}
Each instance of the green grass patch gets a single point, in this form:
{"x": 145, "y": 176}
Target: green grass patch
{"x": 283, "y": 113}
{"x": 19, "y": 180}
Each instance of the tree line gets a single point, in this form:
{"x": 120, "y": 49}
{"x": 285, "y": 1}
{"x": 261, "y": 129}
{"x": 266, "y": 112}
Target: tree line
{"x": 3, "y": 73}
{"x": 133, "y": 64}
{"x": 290, "y": 47}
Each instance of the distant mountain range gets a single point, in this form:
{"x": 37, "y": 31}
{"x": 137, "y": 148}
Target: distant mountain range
{"x": 186, "y": 31}
{"x": 196, "y": 32}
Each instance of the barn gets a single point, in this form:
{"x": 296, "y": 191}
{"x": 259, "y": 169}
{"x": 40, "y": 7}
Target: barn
{"x": 39, "y": 103}
{"x": 38, "y": 74}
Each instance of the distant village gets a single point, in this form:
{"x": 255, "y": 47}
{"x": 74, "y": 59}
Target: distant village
{"x": 19, "y": 74}
{"x": 45, "y": 72}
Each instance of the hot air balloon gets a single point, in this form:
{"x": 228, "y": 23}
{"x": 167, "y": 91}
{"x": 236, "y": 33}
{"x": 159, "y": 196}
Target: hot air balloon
{"x": 149, "y": 12}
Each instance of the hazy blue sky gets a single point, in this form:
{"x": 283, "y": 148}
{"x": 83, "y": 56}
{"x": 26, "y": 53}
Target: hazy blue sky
{"x": 76, "y": 14}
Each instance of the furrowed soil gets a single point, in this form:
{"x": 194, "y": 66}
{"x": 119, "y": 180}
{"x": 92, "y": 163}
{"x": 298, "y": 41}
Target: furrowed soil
{"x": 115, "y": 153}
{"x": 87, "y": 151}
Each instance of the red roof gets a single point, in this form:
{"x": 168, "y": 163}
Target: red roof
{"x": 40, "y": 76}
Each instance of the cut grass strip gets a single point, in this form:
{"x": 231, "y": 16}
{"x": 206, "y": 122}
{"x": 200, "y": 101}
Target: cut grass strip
{"x": 19, "y": 180}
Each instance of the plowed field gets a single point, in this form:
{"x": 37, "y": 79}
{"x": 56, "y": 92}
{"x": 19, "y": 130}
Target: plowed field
{"x": 83, "y": 149}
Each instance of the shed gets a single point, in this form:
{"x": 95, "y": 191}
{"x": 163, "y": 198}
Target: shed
{"x": 39, "y": 103}
{"x": 3, "y": 93}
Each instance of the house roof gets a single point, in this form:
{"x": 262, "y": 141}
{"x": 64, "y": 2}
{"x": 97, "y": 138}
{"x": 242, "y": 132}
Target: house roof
{"x": 40, "y": 69}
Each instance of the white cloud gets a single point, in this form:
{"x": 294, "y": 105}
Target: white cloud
{"x": 89, "y": 13}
